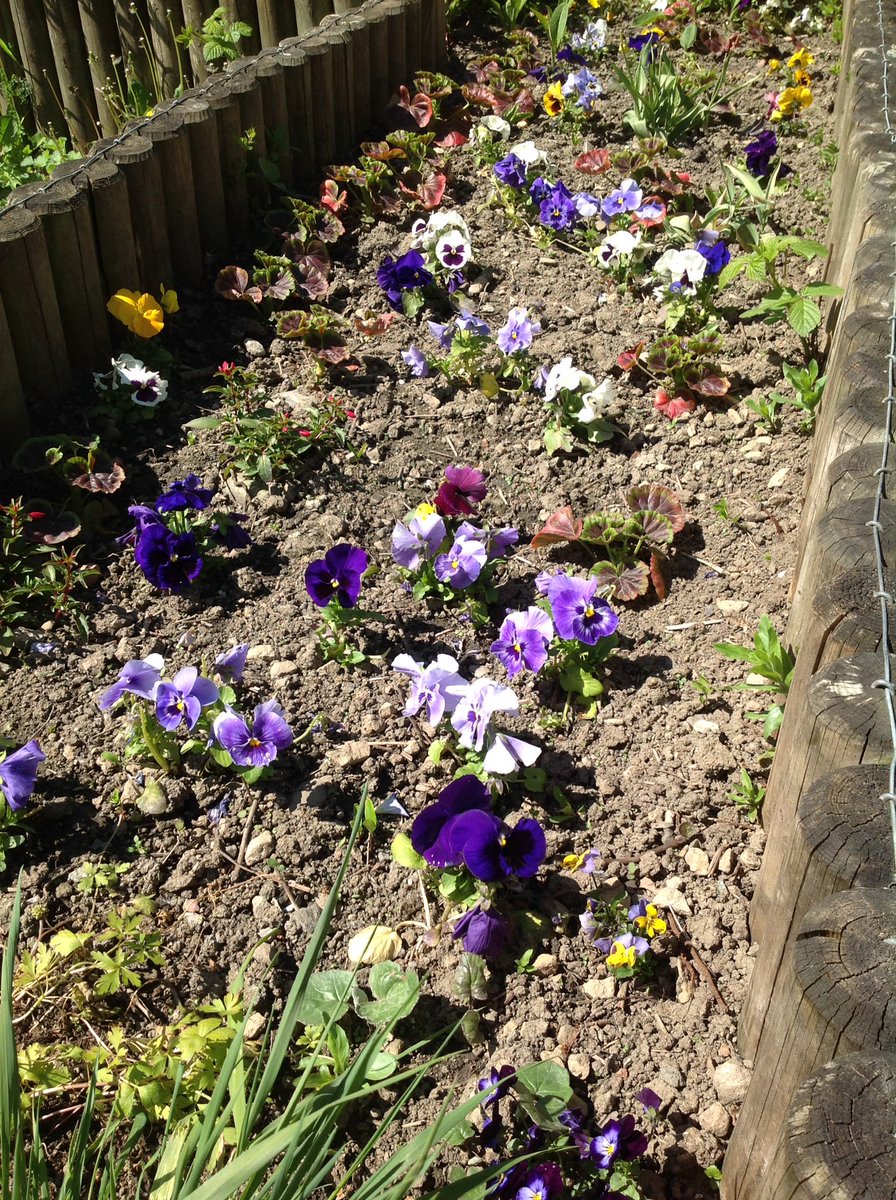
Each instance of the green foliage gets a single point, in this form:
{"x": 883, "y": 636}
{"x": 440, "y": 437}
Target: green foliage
{"x": 748, "y": 795}
{"x": 100, "y": 876}
{"x": 26, "y": 154}
{"x": 742, "y": 200}
{"x": 670, "y": 103}
{"x": 769, "y": 660}
{"x": 38, "y": 579}
{"x": 263, "y": 442}
{"x": 768, "y": 410}
{"x": 688, "y": 365}
{"x": 554, "y": 22}
{"x": 781, "y": 301}
{"x": 219, "y": 37}
{"x": 809, "y": 389}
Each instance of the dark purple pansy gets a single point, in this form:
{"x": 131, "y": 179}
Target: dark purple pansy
{"x": 558, "y": 209}
{"x": 491, "y": 850}
{"x": 404, "y": 274}
{"x": 429, "y": 827}
{"x": 337, "y": 576}
{"x": 463, "y": 489}
{"x": 170, "y": 561}
{"x": 760, "y": 152}
{"x": 483, "y": 930}
{"x": 717, "y": 255}
{"x": 619, "y": 1139}
{"x": 511, "y": 171}
{"x": 227, "y": 530}
{"x": 185, "y": 493}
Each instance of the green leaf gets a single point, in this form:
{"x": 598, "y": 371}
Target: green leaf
{"x": 326, "y": 997}
{"x": 435, "y": 752}
{"x": 264, "y": 468}
{"x": 203, "y": 423}
{"x": 733, "y": 269}
{"x": 556, "y": 438}
{"x": 405, "y": 854}
{"x": 821, "y": 289}
{"x": 544, "y": 1091}
{"x": 803, "y": 316}
{"x": 396, "y": 993}
{"x": 370, "y": 820}
{"x": 469, "y": 979}
{"x": 807, "y": 248}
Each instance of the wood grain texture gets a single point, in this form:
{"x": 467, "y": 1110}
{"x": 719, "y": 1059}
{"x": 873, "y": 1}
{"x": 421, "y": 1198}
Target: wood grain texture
{"x": 32, "y": 310}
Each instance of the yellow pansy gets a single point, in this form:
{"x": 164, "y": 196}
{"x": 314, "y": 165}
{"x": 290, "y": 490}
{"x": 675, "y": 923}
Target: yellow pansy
{"x": 168, "y": 299}
{"x": 802, "y": 58}
{"x": 774, "y": 64}
{"x": 425, "y": 509}
{"x": 791, "y": 101}
{"x": 554, "y": 101}
{"x": 651, "y": 924}
{"x": 621, "y": 955}
{"x": 802, "y": 78}
{"x": 141, "y": 313}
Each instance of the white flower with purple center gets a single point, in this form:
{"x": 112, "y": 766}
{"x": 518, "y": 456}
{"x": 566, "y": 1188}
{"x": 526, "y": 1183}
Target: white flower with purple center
{"x": 613, "y": 248}
{"x": 681, "y": 270}
{"x": 147, "y": 387}
{"x": 437, "y": 686}
{"x": 453, "y": 251}
{"x": 564, "y": 377}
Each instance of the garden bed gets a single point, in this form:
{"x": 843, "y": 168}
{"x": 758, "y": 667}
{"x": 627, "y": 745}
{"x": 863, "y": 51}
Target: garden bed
{"x": 646, "y": 779}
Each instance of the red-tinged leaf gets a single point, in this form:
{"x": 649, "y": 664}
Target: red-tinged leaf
{"x": 525, "y": 101}
{"x": 714, "y": 42}
{"x": 593, "y": 162}
{"x": 233, "y": 284}
{"x": 452, "y": 139}
{"x": 292, "y": 324}
{"x": 658, "y": 575}
{"x": 381, "y": 151}
{"x": 656, "y": 497}
{"x": 314, "y": 283}
{"x": 279, "y": 288}
{"x": 389, "y": 203}
{"x": 712, "y": 385}
{"x": 331, "y": 197}
{"x": 51, "y": 530}
{"x": 433, "y": 189}
{"x": 420, "y": 107}
{"x": 482, "y": 69}
{"x": 478, "y": 93}
{"x": 657, "y": 527}
{"x": 316, "y": 256}
{"x": 373, "y": 324}
{"x": 560, "y": 526}
{"x": 629, "y": 358}
{"x": 334, "y": 354}
{"x": 106, "y": 482}
{"x": 672, "y": 406}
{"x": 626, "y": 583}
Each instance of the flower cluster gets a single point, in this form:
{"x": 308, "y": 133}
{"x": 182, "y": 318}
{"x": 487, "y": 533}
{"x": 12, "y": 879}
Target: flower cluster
{"x": 791, "y": 100}
{"x": 440, "y": 689}
{"x": 170, "y": 542}
{"x": 473, "y": 351}
{"x": 627, "y": 948}
{"x": 193, "y": 704}
{"x": 444, "y": 240}
{"x": 578, "y": 406}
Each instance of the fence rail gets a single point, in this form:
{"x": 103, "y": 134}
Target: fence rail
{"x": 818, "y": 1021}
{"x": 150, "y": 204}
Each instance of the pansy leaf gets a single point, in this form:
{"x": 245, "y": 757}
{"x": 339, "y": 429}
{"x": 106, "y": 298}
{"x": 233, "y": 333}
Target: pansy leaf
{"x": 658, "y": 575}
{"x": 432, "y": 190}
{"x": 405, "y": 854}
{"x": 544, "y": 1092}
{"x": 557, "y": 438}
{"x": 626, "y": 582}
{"x": 395, "y": 994}
{"x": 628, "y": 358}
{"x": 659, "y": 499}
{"x": 326, "y": 996}
{"x": 560, "y": 526}
{"x": 451, "y": 140}
{"x": 381, "y": 151}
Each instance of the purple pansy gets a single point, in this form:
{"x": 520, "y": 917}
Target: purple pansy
{"x": 170, "y": 561}
{"x": 137, "y": 677}
{"x": 418, "y": 541}
{"x": 461, "y": 491}
{"x": 431, "y": 828}
{"x": 619, "y": 1139}
{"x": 491, "y": 850}
{"x": 511, "y": 171}
{"x": 542, "y": 1182}
{"x": 468, "y": 322}
{"x": 579, "y": 614}
{"x": 642, "y": 40}
{"x": 254, "y": 745}
{"x": 337, "y": 575}
{"x": 626, "y": 198}
{"x": 437, "y": 686}
{"x": 558, "y": 209}
{"x": 18, "y": 774}
{"x": 227, "y": 530}
{"x": 518, "y": 331}
{"x": 404, "y": 274}
{"x": 484, "y": 932}
{"x": 716, "y": 253}
{"x": 540, "y": 190}
{"x": 183, "y": 699}
{"x": 759, "y": 153}
{"x": 496, "y": 1083}
{"x": 651, "y": 1101}
{"x": 442, "y": 333}
{"x": 472, "y": 716}
{"x": 462, "y": 564}
{"x": 185, "y": 493}
{"x": 232, "y": 663}
{"x": 523, "y": 641}
{"x": 416, "y": 361}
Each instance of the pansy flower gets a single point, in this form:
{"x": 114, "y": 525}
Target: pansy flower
{"x": 337, "y": 576}
{"x": 18, "y": 774}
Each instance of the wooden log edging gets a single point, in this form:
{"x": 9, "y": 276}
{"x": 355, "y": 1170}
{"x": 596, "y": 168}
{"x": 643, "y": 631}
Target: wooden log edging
{"x": 156, "y": 203}
{"x": 818, "y": 1018}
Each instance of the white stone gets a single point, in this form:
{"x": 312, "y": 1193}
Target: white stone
{"x": 731, "y": 1080}
{"x": 697, "y": 860}
{"x": 732, "y": 606}
{"x": 600, "y": 989}
{"x": 259, "y": 847}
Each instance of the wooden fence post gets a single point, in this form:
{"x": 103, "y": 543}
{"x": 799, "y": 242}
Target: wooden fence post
{"x": 206, "y": 160}
{"x": 269, "y": 73}
{"x": 223, "y": 100}
{"x": 299, "y": 111}
{"x": 339, "y": 52}
{"x": 14, "y": 419}
{"x": 841, "y": 718}
{"x": 842, "y": 840}
{"x": 838, "y": 1140}
{"x": 167, "y": 132}
{"x": 68, "y": 222}
{"x": 103, "y": 45}
{"x": 72, "y": 71}
{"x": 29, "y": 298}
{"x": 133, "y": 154}
{"x": 836, "y": 1000}
{"x": 33, "y": 40}
{"x": 115, "y": 236}
{"x": 322, "y": 96}
{"x": 164, "y": 47}
{"x": 356, "y": 24}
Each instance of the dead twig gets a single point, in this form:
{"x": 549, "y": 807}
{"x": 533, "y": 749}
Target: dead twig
{"x": 239, "y": 865}
{"x": 684, "y": 938}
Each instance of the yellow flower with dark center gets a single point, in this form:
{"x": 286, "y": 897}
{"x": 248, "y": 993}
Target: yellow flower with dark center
{"x": 791, "y": 100}
{"x": 141, "y": 313}
{"x": 621, "y": 956}
{"x": 651, "y": 924}
{"x": 554, "y": 100}
{"x": 774, "y": 64}
{"x": 802, "y": 59}
{"x": 802, "y": 78}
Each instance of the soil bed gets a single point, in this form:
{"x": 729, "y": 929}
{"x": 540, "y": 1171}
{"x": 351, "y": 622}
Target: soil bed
{"x": 647, "y": 780}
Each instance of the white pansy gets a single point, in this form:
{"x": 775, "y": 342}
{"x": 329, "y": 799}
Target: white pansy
{"x": 148, "y": 388}
{"x": 528, "y": 153}
{"x": 686, "y": 267}
{"x": 564, "y": 377}
{"x": 493, "y": 128}
{"x": 617, "y": 244}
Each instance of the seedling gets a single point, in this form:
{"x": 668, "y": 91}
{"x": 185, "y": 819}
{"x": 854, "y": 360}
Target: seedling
{"x": 748, "y": 796}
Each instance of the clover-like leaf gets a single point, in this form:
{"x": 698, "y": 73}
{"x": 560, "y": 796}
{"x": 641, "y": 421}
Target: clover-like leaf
{"x": 657, "y": 498}
{"x": 593, "y": 162}
{"x": 326, "y": 996}
{"x": 656, "y": 526}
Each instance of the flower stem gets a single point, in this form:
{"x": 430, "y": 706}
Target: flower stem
{"x": 152, "y": 743}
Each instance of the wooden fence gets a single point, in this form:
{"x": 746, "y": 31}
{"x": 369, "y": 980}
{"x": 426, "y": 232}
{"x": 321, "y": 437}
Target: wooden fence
{"x": 819, "y": 1021}
{"x": 148, "y": 206}
{"x": 75, "y": 52}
